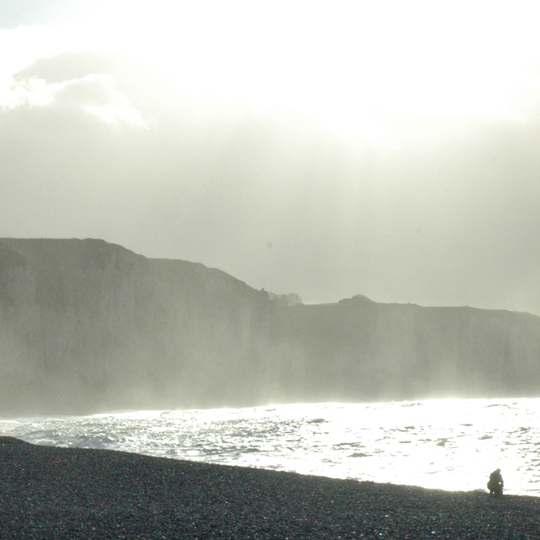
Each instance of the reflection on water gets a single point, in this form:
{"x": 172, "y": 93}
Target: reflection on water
{"x": 446, "y": 444}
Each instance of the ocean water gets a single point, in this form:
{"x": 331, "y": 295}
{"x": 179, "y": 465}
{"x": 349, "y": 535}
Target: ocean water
{"x": 443, "y": 444}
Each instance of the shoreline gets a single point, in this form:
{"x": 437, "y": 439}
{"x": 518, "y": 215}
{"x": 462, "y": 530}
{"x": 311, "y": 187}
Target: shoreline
{"x": 72, "y": 493}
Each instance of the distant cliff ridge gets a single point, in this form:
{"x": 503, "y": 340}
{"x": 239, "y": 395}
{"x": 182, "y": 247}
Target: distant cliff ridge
{"x": 89, "y": 326}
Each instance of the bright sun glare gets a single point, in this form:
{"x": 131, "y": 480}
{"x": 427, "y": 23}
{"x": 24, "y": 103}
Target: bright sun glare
{"x": 353, "y": 65}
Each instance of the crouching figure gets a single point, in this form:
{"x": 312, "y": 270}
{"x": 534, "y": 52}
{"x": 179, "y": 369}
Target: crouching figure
{"x": 495, "y": 484}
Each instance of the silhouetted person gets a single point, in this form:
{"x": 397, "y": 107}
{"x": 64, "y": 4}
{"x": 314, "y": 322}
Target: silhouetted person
{"x": 495, "y": 484}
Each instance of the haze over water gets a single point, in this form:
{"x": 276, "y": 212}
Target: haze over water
{"x": 445, "y": 444}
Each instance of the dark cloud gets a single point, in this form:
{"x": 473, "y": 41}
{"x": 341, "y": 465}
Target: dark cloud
{"x": 443, "y": 213}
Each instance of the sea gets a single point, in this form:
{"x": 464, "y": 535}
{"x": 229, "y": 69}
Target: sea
{"x": 451, "y": 444}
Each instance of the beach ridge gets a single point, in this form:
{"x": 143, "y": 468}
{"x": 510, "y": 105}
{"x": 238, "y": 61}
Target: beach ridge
{"x": 72, "y": 493}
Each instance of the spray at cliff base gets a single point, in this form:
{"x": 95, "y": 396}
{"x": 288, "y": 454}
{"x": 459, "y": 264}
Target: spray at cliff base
{"x": 444, "y": 444}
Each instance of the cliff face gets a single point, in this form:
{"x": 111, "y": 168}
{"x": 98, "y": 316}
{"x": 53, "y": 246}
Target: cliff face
{"x": 361, "y": 349}
{"x": 86, "y": 325}
{"x": 89, "y": 326}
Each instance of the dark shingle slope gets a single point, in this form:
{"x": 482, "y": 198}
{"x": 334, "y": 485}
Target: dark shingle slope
{"x": 61, "y": 493}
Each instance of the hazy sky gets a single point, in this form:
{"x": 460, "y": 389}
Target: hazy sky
{"x": 384, "y": 148}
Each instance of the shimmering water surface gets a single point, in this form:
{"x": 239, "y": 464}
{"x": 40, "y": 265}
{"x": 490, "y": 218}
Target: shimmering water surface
{"x": 446, "y": 444}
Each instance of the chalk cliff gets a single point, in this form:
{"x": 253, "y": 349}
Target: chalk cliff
{"x": 89, "y": 326}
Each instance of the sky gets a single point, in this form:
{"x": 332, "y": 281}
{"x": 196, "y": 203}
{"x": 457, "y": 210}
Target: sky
{"x": 387, "y": 148}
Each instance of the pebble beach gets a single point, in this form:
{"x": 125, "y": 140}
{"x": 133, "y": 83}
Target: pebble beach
{"x": 72, "y": 493}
